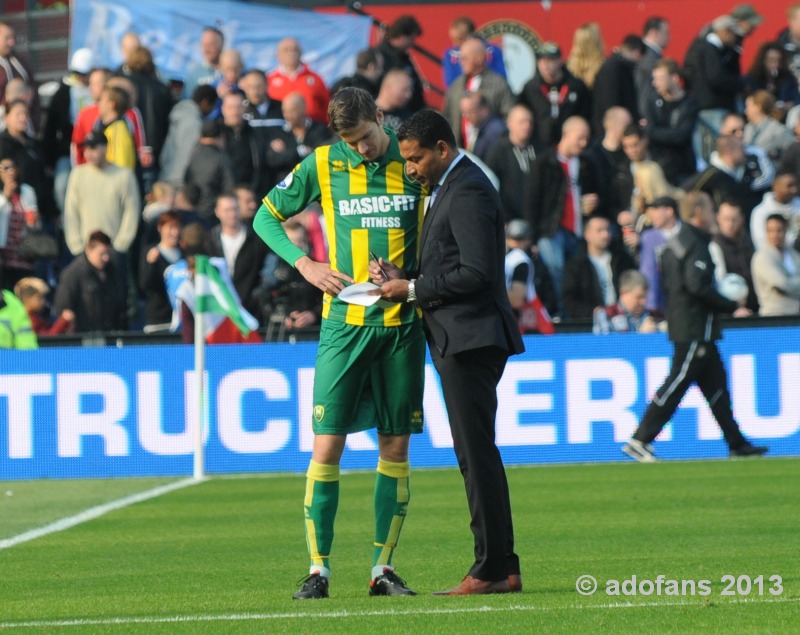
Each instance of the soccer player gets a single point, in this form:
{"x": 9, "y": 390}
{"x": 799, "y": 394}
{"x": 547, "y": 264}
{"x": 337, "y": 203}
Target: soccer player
{"x": 370, "y": 361}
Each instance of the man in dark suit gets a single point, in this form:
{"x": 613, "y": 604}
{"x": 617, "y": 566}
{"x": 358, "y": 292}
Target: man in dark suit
{"x": 470, "y": 329}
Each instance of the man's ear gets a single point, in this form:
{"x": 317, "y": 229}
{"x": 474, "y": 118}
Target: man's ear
{"x": 442, "y": 148}
{"x": 379, "y": 117}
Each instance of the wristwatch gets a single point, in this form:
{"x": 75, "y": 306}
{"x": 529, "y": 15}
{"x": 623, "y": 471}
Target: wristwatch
{"x": 412, "y": 291}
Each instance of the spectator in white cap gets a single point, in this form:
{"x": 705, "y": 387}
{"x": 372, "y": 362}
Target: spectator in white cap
{"x": 68, "y": 99}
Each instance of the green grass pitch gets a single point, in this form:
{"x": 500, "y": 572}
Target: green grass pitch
{"x": 223, "y": 556}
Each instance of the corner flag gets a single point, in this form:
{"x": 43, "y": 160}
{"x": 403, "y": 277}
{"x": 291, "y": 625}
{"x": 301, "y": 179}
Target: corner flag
{"x": 214, "y": 296}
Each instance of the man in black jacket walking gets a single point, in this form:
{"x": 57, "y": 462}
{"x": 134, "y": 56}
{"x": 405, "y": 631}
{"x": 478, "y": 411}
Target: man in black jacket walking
{"x": 693, "y": 307}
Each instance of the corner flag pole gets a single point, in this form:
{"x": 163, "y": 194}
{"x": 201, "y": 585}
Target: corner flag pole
{"x": 199, "y": 376}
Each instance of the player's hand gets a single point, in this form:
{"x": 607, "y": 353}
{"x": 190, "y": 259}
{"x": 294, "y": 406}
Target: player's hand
{"x": 322, "y": 276}
{"x": 393, "y": 291}
{"x": 392, "y": 271}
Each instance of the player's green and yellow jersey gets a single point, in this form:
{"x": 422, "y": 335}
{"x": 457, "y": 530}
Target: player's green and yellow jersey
{"x": 368, "y": 206}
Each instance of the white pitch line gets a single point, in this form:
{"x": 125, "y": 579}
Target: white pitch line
{"x": 95, "y": 512}
{"x": 241, "y": 617}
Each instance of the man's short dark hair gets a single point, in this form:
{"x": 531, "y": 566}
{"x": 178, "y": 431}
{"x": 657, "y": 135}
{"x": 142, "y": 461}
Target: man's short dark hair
{"x": 192, "y": 193}
{"x": 664, "y": 201}
{"x": 349, "y": 107}
{"x": 119, "y": 98}
{"x": 634, "y": 130}
{"x": 595, "y": 217}
{"x": 256, "y": 71}
{"x": 170, "y": 216}
{"x": 778, "y": 217}
{"x": 367, "y": 57}
{"x": 466, "y": 22}
{"x": 211, "y": 129}
{"x": 194, "y": 239}
{"x": 730, "y": 201}
{"x": 653, "y": 24}
{"x": 238, "y": 92}
{"x": 632, "y": 43}
{"x": 670, "y": 65}
{"x": 481, "y": 101}
{"x": 427, "y": 127}
{"x": 98, "y": 237}
{"x": 732, "y": 114}
{"x": 203, "y": 93}
{"x": 213, "y": 29}
{"x": 405, "y": 25}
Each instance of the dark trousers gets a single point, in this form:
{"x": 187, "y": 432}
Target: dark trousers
{"x": 693, "y": 362}
{"x": 469, "y": 383}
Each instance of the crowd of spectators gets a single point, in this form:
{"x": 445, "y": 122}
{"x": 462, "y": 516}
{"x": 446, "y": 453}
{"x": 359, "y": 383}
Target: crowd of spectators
{"x": 592, "y": 156}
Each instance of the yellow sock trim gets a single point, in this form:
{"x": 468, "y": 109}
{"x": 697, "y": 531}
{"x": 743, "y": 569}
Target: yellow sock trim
{"x": 394, "y": 470}
{"x": 323, "y": 473}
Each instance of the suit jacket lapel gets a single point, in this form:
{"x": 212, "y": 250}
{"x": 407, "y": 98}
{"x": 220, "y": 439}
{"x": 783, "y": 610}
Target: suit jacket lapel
{"x": 428, "y": 220}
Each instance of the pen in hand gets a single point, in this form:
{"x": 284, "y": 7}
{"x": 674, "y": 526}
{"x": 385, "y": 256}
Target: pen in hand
{"x": 378, "y": 262}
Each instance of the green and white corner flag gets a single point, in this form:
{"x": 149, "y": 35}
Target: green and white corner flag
{"x": 215, "y": 295}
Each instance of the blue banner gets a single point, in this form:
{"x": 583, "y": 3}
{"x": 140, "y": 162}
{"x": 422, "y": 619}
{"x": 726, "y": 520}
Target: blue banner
{"x": 172, "y": 30}
{"x": 101, "y": 412}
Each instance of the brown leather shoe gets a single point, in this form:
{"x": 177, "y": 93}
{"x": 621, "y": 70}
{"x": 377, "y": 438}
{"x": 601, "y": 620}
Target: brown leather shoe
{"x": 473, "y": 586}
{"x": 515, "y": 583}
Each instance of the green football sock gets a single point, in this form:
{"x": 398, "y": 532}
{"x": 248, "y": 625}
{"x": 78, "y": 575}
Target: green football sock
{"x": 321, "y": 502}
{"x": 391, "y": 503}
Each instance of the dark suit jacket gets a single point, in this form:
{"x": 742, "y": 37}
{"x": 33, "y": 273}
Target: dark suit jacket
{"x": 461, "y": 286}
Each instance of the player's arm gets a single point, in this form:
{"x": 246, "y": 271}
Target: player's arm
{"x": 286, "y": 199}
{"x": 320, "y": 274}
{"x": 271, "y": 231}
{"x": 290, "y": 197}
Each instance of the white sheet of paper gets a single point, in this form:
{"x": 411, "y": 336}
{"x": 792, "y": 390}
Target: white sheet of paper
{"x": 358, "y": 294}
